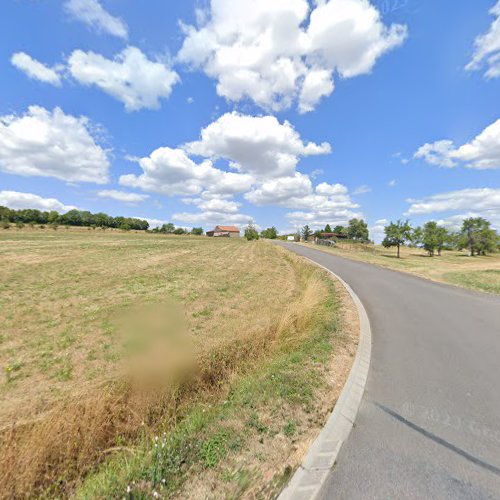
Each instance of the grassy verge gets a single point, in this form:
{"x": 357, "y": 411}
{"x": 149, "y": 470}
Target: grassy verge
{"x": 453, "y": 267}
{"x": 485, "y": 281}
{"x": 262, "y": 357}
{"x": 242, "y": 442}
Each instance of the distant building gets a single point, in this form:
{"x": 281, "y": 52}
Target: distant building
{"x": 224, "y": 232}
{"x": 332, "y": 236}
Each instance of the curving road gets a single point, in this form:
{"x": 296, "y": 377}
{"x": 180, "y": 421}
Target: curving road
{"x": 429, "y": 423}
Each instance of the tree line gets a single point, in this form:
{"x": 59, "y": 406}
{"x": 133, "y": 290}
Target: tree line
{"x": 475, "y": 235}
{"x": 169, "y": 228}
{"x": 71, "y": 218}
{"x": 356, "y": 230}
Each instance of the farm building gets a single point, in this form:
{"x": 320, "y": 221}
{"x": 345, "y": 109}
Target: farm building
{"x": 224, "y": 231}
{"x": 332, "y": 236}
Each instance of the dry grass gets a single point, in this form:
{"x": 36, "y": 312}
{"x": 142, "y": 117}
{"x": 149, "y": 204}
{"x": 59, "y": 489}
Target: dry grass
{"x": 68, "y": 396}
{"x": 480, "y": 273}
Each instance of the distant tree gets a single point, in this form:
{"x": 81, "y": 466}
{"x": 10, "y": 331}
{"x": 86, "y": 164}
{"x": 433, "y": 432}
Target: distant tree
{"x": 179, "y": 230}
{"x": 358, "y": 230}
{"x": 52, "y": 217}
{"x": 306, "y": 232}
{"x": 339, "y": 230}
{"x": 5, "y": 224}
{"x": 434, "y": 237}
{"x": 397, "y": 234}
{"x": 328, "y": 229}
{"x": 271, "y": 233}
{"x": 198, "y": 231}
{"x": 417, "y": 236}
{"x": 250, "y": 232}
{"x": 167, "y": 228}
{"x": 476, "y": 235}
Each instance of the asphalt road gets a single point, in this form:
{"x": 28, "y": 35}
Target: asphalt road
{"x": 429, "y": 423}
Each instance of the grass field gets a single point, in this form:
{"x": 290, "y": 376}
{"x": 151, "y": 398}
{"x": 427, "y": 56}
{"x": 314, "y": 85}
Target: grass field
{"x": 457, "y": 268}
{"x": 256, "y": 331}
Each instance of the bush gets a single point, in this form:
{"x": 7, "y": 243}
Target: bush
{"x": 251, "y": 233}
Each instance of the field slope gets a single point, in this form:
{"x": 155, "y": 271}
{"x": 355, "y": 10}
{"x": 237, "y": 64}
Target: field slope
{"x": 256, "y": 352}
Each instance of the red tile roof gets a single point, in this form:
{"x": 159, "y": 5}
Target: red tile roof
{"x": 228, "y": 229}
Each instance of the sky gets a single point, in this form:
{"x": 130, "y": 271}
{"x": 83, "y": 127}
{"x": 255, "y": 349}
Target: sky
{"x": 283, "y": 112}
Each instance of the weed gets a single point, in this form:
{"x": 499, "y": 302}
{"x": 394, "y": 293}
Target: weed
{"x": 290, "y": 428}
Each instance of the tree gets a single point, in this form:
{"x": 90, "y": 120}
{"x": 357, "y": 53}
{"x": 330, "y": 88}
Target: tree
{"x": 271, "y": 233}
{"x": 179, "y": 230}
{"x": 357, "y": 230}
{"x": 250, "y": 232}
{"x": 306, "y": 232}
{"x": 476, "y": 235}
{"x": 328, "y": 229}
{"x": 197, "y": 231}
{"x": 339, "y": 230}
{"x": 52, "y": 217}
{"x": 434, "y": 237}
{"x": 168, "y": 228}
{"x": 397, "y": 234}
{"x": 417, "y": 237}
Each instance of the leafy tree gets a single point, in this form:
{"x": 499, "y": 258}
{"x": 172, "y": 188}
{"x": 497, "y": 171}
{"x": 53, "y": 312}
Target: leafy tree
{"x": 476, "y": 235}
{"x": 167, "y": 228}
{"x": 271, "y": 233}
{"x": 339, "y": 230}
{"x": 198, "y": 231}
{"x": 52, "y": 217}
{"x": 328, "y": 229}
{"x": 357, "y": 230}
{"x": 397, "y": 234}
{"x": 306, "y": 232}
{"x": 434, "y": 237}
{"x": 417, "y": 236}
{"x": 179, "y": 230}
{"x": 250, "y": 232}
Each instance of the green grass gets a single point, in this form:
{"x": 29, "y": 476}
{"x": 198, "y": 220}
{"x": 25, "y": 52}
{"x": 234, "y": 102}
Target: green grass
{"x": 454, "y": 267}
{"x": 485, "y": 281}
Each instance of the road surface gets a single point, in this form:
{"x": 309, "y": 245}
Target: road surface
{"x": 429, "y": 423}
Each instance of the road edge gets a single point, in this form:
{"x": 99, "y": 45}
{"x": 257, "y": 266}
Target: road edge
{"x": 309, "y": 478}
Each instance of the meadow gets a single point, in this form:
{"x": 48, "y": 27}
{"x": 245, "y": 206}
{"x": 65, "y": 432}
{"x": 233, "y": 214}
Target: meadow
{"x": 249, "y": 347}
{"x": 453, "y": 267}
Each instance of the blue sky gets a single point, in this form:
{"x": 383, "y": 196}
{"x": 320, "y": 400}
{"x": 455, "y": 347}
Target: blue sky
{"x": 287, "y": 113}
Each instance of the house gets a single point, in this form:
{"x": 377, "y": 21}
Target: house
{"x": 224, "y": 231}
{"x": 332, "y": 236}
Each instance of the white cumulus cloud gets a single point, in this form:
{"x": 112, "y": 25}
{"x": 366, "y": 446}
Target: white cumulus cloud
{"x": 130, "y": 77}
{"x": 122, "y": 196}
{"x": 279, "y": 52}
{"x": 93, "y": 14}
{"x": 483, "y": 152}
{"x": 482, "y": 200}
{"x": 35, "y": 69}
{"x": 257, "y": 145}
{"x": 487, "y": 48}
{"x": 171, "y": 171}
{"x": 18, "y": 201}
{"x": 51, "y": 144}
